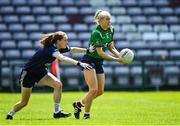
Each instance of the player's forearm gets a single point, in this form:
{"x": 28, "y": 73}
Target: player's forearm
{"x": 78, "y": 50}
{"x": 108, "y": 57}
{"x": 115, "y": 52}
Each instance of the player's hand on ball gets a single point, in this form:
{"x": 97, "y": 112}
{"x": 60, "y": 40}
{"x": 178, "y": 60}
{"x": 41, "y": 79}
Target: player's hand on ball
{"x": 127, "y": 56}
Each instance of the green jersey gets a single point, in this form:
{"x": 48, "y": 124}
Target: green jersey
{"x": 100, "y": 38}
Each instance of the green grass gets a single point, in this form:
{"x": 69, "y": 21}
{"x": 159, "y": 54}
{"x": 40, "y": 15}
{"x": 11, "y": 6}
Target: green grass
{"x": 113, "y": 108}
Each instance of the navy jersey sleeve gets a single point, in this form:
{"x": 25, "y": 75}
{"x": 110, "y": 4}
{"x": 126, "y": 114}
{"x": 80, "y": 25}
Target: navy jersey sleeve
{"x": 67, "y": 49}
{"x": 52, "y": 49}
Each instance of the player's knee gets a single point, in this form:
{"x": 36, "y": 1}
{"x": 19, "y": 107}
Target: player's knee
{"x": 93, "y": 91}
{"x": 58, "y": 85}
{"x": 99, "y": 93}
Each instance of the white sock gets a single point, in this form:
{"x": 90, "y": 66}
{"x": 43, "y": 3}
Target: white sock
{"x": 57, "y": 107}
{"x": 11, "y": 113}
{"x": 86, "y": 113}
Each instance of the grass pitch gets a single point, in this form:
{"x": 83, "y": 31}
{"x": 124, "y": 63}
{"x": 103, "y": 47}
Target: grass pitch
{"x": 113, "y": 108}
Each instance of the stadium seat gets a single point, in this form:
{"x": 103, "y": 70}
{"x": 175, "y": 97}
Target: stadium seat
{"x": 109, "y": 78}
{"x": 59, "y": 19}
{"x": 97, "y": 3}
{"x": 35, "y": 36}
{"x": 46, "y": 28}
{"x": 144, "y": 28}
{"x": 3, "y": 27}
{"x": 43, "y": 19}
{"x": 177, "y": 36}
{"x": 118, "y": 10}
{"x": 129, "y": 3}
{"x": 23, "y": 10}
{"x": 84, "y": 36}
{"x": 144, "y": 54}
{"x": 172, "y": 74}
{"x": 26, "y": 54}
{"x": 174, "y": 28}
{"x": 6, "y": 77}
{"x": 19, "y": 2}
{"x": 8, "y": 44}
{"x": 20, "y": 36}
{"x": 136, "y": 74}
{"x": 72, "y": 35}
{"x": 113, "y": 3}
{"x": 86, "y": 10}
{"x": 26, "y": 44}
{"x": 12, "y": 53}
{"x": 4, "y": 2}
{"x": 67, "y": 2}
{"x": 64, "y": 27}
{"x": 166, "y": 36}
{"x": 6, "y": 9}
{"x": 150, "y": 11}
{"x": 31, "y": 27}
{"x": 160, "y": 28}
{"x": 11, "y": 18}
{"x": 160, "y": 3}
{"x": 155, "y": 20}
{"x": 160, "y": 54}
{"x": 71, "y": 10}
{"x": 27, "y": 18}
{"x": 1, "y": 54}
{"x": 80, "y": 27}
{"x": 166, "y": 11}
{"x": 55, "y": 10}
{"x": 171, "y": 20}
{"x": 39, "y": 10}
{"x": 133, "y": 36}
{"x": 177, "y": 10}
{"x": 175, "y": 54}
{"x": 145, "y": 3}
{"x": 134, "y": 11}
{"x": 150, "y": 36}
{"x": 123, "y": 75}
{"x": 139, "y": 19}
{"x": 128, "y": 28}
{"x": 50, "y": 2}
{"x": 123, "y": 19}
{"x": 15, "y": 27}
{"x": 35, "y": 2}
{"x": 5, "y": 36}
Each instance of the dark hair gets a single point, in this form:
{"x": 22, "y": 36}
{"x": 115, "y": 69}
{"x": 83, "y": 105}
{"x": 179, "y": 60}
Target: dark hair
{"x": 51, "y": 38}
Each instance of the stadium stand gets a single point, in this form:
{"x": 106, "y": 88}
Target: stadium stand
{"x": 150, "y": 27}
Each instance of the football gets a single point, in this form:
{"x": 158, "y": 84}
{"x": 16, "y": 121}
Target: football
{"x": 127, "y": 55}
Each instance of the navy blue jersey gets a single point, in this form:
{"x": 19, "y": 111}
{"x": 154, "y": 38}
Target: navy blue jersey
{"x": 42, "y": 58}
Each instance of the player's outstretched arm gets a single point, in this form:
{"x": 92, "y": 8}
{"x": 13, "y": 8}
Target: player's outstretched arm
{"x": 78, "y": 50}
{"x": 113, "y": 50}
{"x": 69, "y": 60}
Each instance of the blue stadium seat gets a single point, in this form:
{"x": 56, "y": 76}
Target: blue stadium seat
{"x": 74, "y": 43}
{"x": 27, "y": 19}
{"x": 118, "y": 10}
{"x": 166, "y": 11}
{"x": 84, "y": 36}
{"x": 171, "y": 20}
{"x": 3, "y": 27}
{"x": 11, "y": 18}
{"x": 129, "y": 3}
{"x": 72, "y": 35}
{"x": 6, "y": 77}
{"x": 19, "y": 2}
{"x": 134, "y": 11}
{"x": 4, "y": 2}
{"x": 139, "y": 19}
{"x": 64, "y": 27}
{"x": 67, "y": 2}
{"x": 174, "y": 28}
{"x": 59, "y": 19}
{"x": 35, "y": 35}
{"x": 31, "y": 27}
{"x": 113, "y": 3}
{"x": 136, "y": 73}
{"x": 47, "y": 28}
{"x": 160, "y": 54}
{"x": 51, "y": 2}
{"x": 43, "y": 19}
{"x": 6, "y": 9}
{"x": 1, "y": 55}
{"x": 155, "y": 44}
{"x": 170, "y": 45}
{"x": 150, "y": 11}
{"x": 24, "y": 44}
{"x": 23, "y": 10}
{"x": 177, "y": 10}
{"x": 175, "y": 54}
{"x": 8, "y": 44}
{"x": 128, "y": 28}
{"x": 166, "y": 36}
{"x": 155, "y": 20}
{"x": 133, "y": 36}
{"x": 144, "y": 54}
{"x": 172, "y": 74}
{"x": 88, "y": 19}
{"x": 5, "y": 36}
{"x": 35, "y": 2}
{"x": 80, "y": 27}
{"x": 86, "y": 11}
{"x": 27, "y": 53}
{"x": 144, "y": 28}
{"x": 138, "y": 45}
{"x": 123, "y": 19}
{"x": 160, "y": 3}
{"x": 15, "y": 27}
{"x": 177, "y": 36}
{"x": 54, "y": 10}
{"x": 39, "y": 10}
{"x": 12, "y": 53}
{"x": 123, "y": 75}
{"x": 97, "y": 3}
{"x": 20, "y": 36}
{"x": 71, "y": 10}
{"x": 160, "y": 28}
{"x": 82, "y": 3}
{"x": 150, "y": 36}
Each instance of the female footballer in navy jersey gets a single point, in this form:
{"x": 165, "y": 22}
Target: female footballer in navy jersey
{"x": 35, "y": 71}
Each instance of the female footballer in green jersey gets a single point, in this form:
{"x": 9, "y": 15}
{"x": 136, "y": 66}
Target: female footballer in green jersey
{"x": 101, "y": 39}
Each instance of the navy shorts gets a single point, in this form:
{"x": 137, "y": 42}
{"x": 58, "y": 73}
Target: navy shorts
{"x": 28, "y": 79}
{"x": 96, "y": 63}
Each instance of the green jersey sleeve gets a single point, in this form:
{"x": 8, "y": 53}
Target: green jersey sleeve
{"x": 96, "y": 39}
